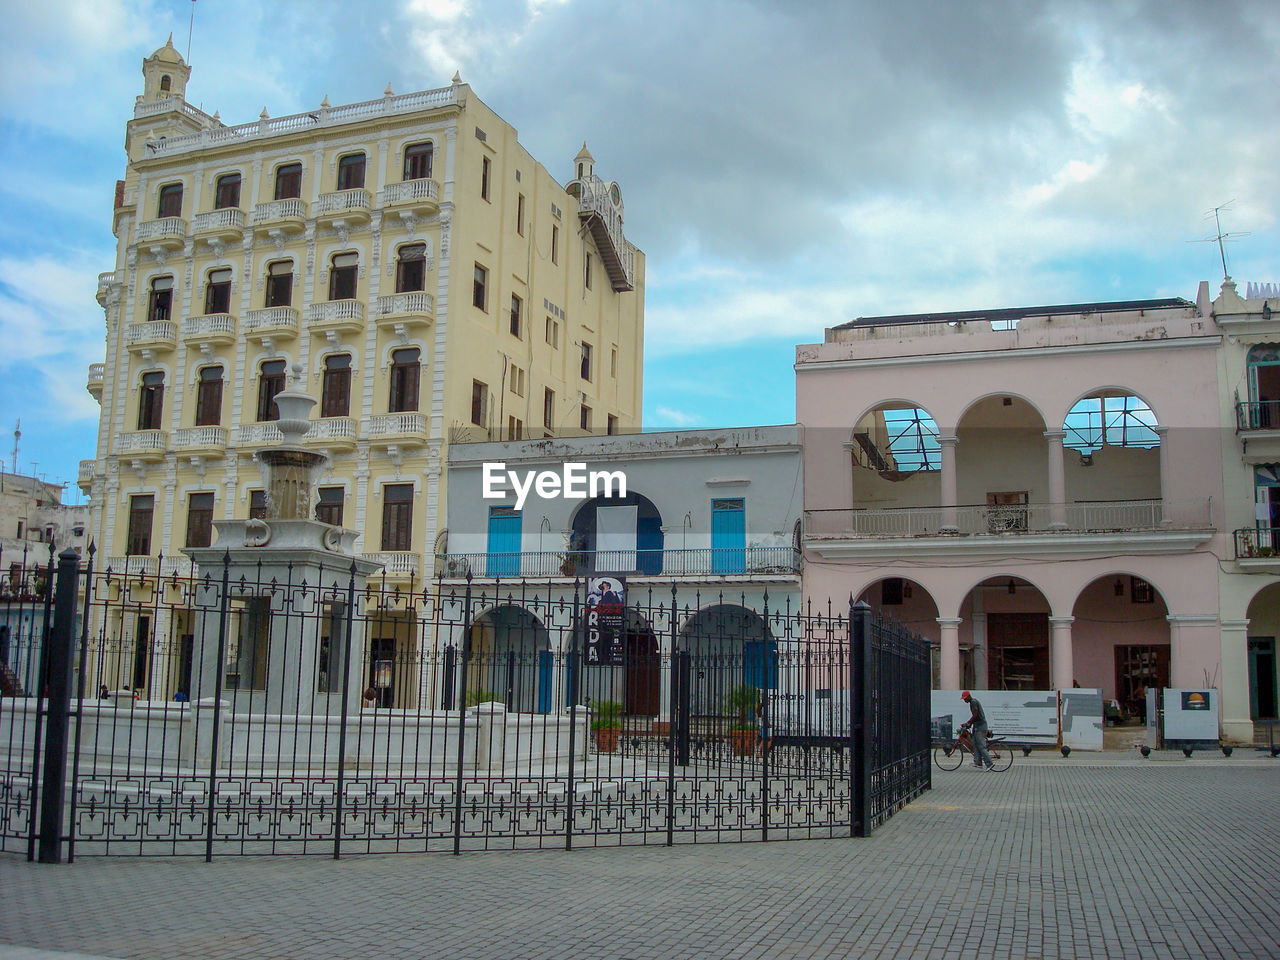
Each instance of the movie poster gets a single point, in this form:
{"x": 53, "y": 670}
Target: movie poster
{"x": 606, "y": 620}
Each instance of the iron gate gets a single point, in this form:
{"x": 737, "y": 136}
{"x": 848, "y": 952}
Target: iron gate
{"x": 467, "y": 716}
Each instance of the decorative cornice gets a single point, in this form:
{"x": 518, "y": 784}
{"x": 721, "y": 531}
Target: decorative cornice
{"x": 1038, "y": 545}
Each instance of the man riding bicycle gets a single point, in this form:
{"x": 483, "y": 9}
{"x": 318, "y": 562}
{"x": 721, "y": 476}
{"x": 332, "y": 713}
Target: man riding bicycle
{"x": 978, "y": 721}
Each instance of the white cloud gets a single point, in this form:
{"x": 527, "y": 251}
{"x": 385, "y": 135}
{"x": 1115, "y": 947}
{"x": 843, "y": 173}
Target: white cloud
{"x": 670, "y": 417}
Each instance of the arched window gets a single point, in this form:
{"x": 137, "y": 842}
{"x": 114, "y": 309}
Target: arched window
{"x": 170, "y": 201}
{"x": 342, "y": 276}
{"x": 417, "y": 161}
{"x": 209, "y": 397}
{"x": 411, "y": 266}
{"x": 217, "y": 291}
{"x": 226, "y": 194}
{"x": 150, "y": 401}
{"x": 160, "y": 300}
{"x": 1264, "y": 388}
{"x": 289, "y": 181}
{"x": 279, "y": 283}
{"x": 335, "y": 392}
{"x": 166, "y": 84}
{"x": 404, "y": 381}
{"x": 351, "y": 172}
{"x": 270, "y": 383}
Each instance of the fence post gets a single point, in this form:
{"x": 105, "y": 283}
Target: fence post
{"x": 462, "y": 720}
{"x": 42, "y": 683}
{"x": 860, "y": 717}
{"x": 83, "y": 669}
{"x": 683, "y": 718}
{"x": 60, "y": 652}
{"x": 346, "y": 709}
{"x": 575, "y": 667}
{"x": 220, "y": 669}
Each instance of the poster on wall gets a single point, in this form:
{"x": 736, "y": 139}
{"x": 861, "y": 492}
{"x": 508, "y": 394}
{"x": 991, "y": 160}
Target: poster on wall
{"x": 1020, "y": 716}
{"x": 606, "y": 620}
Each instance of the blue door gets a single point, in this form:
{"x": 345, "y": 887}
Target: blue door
{"x": 546, "y": 662}
{"x": 503, "y": 558}
{"x": 760, "y": 664}
{"x": 728, "y": 536}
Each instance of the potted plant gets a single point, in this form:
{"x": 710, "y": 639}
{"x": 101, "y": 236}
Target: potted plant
{"x": 743, "y": 704}
{"x": 574, "y": 560}
{"x": 606, "y": 723}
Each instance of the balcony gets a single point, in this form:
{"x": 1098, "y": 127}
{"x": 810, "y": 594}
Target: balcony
{"x": 84, "y": 478}
{"x": 403, "y": 311}
{"x": 698, "y": 563}
{"x": 337, "y": 316}
{"x": 396, "y": 430}
{"x": 397, "y": 566}
{"x": 418, "y": 198}
{"x": 1258, "y": 548}
{"x": 1258, "y": 427}
{"x": 257, "y": 435}
{"x": 145, "y": 445}
{"x": 97, "y": 376}
{"x": 226, "y": 225}
{"x": 1134, "y": 526}
{"x": 141, "y": 565}
{"x": 167, "y": 233}
{"x": 151, "y": 337}
{"x": 271, "y": 324}
{"x": 200, "y": 441}
{"x": 213, "y": 329}
{"x": 337, "y": 434}
{"x": 279, "y": 219}
{"x": 343, "y": 209}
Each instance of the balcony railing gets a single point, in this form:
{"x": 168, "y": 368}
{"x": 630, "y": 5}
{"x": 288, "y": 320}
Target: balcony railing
{"x": 200, "y": 437}
{"x": 329, "y": 311}
{"x": 290, "y": 209}
{"x": 409, "y": 191}
{"x": 256, "y": 434}
{"x": 271, "y": 319}
{"x": 1257, "y": 415}
{"x": 401, "y": 303}
{"x": 166, "y": 228}
{"x": 231, "y": 218}
{"x": 1105, "y": 516}
{"x": 690, "y": 562}
{"x": 142, "y": 442}
{"x": 396, "y": 563}
{"x": 395, "y": 424}
{"x": 151, "y": 331}
{"x": 333, "y": 429}
{"x": 209, "y": 325}
{"x": 87, "y": 469}
{"x": 342, "y": 201}
{"x": 1258, "y": 543}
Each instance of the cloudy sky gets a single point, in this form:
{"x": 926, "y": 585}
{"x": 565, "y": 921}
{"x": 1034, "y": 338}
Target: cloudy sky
{"x": 787, "y": 165}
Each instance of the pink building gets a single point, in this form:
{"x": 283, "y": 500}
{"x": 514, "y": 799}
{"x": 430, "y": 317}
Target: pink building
{"x": 1037, "y": 490}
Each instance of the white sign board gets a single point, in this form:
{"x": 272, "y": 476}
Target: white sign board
{"x": 1021, "y": 716}
{"x": 1190, "y": 714}
{"x": 1080, "y": 710}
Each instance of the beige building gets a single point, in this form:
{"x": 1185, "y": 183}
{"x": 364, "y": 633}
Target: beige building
{"x": 429, "y": 279}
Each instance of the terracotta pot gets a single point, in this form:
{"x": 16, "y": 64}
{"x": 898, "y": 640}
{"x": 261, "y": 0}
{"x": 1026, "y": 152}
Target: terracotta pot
{"x": 607, "y": 739}
{"x": 743, "y": 742}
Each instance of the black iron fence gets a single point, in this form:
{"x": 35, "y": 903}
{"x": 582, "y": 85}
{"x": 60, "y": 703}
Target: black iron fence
{"x": 221, "y": 713}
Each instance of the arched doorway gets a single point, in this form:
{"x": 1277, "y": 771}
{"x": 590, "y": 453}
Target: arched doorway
{"x": 729, "y": 646}
{"x": 1264, "y": 637}
{"x": 511, "y": 660}
{"x": 616, "y": 535}
{"x": 1007, "y": 621}
{"x": 1120, "y": 640}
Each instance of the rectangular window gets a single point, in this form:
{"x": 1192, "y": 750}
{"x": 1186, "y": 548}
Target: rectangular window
{"x": 150, "y": 401}
{"x": 141, "y": 510}
{"x": 270, "y": 383}
{"x": 613, "y": 363}
{"x": 480, "y": 288}
{"x": 417, "y": 161}
{"x": 200, "y": 520}
{"x": 553, "y": 333}
{"x": 548, "y": 408}
{"x": 217, "y": 292}
{"x": 342, "y": 276}
{"x": 411, "y": 268}
{"x": 520, "y": 214}
{"x": 289, "y": 181}
{"x": 516, "y": 380}
{"x": 479, "y": 402}
{"x": 209, "y": 397}
{"x": 613, "y": 425}
{"x": 405, "y": 375}
{"x": 515, "y": 428}
{"x": 1140, "y": 591}
{"x": 170, "y": 201}
{"x": 891, "y": 592}
{"x": 351, "y": 172}
{"x": 586, "y": 270}
{"x": 160, "y": 302}
{"x": 586, "y": 361}
{"x": 257, "y": 504}
{"x": 515, "y": 315}
{"x": 555, "y": 244}
{"x": 227, "y": 193}
{"x": 329, "y": 505}
{"x": 584, "y": 417}
{"x": 335, "y": 391}
{"x": 484, "y": 178}
{"x": 397, "y": 516}
{"x": 280, "y": 284}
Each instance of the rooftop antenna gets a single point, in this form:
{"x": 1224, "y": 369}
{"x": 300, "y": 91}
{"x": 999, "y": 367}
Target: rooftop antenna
{"x": 191, "y": 29}
{"x": 1219, "y": 236}
{"x": 17, "y": 435}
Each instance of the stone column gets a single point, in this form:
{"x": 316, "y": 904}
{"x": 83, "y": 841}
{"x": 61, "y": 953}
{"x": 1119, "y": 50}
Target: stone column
{"x": 947, "y": 447}
{"x": 1057, "y": 481}
{"x": 1236, "y": 721}
{"x": 1062, "y": 670}
{"x": 949, "y": 646}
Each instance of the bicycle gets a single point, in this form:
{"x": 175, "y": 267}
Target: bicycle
{"x": 949, "y": 756}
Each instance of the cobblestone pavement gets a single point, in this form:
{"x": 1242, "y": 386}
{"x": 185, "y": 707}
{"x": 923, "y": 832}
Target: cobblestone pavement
{"x": 1101, "y": 858}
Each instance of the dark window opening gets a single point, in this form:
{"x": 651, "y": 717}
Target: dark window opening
{"x": 227, "y": 192}
{"x": 397, "y": 516}
{"x": 515, "y": 315}
{"x": 411, "y": 268}
{"x": 280, "y": 284}
{"x": 405, "y": 368}
{"x": 170, "y": 201}
{"x": 335, "y": 392}
{"x": 342, "y": 276}
{"x": 200, "y": 520}
{"x": 417, "y": 161}
{"x": 289, "y": 181}
{"x": 141, "y": 511}
{"x": 209, "y": 397}
{"x": 151, "y": 401}
{"x": 351, "y": 172}
{"x": 329, "y": 505}
{"x": 479, "y": 288}
{"x": 160, "y": 301}
{"x": 257, "y": 504}
{"x": 479, "y": 402}
{"x": 217, "y": 292}
{"x": 269, "y": 384}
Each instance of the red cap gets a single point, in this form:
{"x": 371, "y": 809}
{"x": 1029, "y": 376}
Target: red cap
{"x": 965, "y": 695}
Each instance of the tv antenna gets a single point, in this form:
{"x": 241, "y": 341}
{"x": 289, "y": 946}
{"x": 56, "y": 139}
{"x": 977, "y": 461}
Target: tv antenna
{"x": 17, "y": 435}
{"x": 1219, "y": 237}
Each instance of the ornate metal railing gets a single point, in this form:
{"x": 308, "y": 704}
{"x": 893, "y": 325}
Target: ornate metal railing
{"x": 692, "y": 562}
{"x": 1257, "y": 415}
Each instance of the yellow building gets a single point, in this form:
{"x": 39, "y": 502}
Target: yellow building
{"x": 430, "y": 278}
